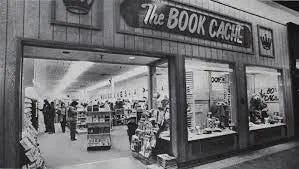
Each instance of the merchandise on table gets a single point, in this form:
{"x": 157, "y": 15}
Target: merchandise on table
{"x": 144, "y": 139}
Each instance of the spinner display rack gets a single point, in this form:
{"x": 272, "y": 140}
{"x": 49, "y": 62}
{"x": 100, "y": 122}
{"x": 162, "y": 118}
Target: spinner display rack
{"x": 99, "y": 130}
{"x": 81, "y": 122}
{"x": 31, "y": 155}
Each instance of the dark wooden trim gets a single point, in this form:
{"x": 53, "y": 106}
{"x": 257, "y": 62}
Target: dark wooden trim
{"x": 293, "y": 32}
{"x": 231, "y": 63}
{"x": 75, "y": 25}
{"x": 241, "y": 106}
{"x": 190, "y": 42}
{"x": 54, "y": 21}
{"x": 178, "y": 107}
{"x": 217, "y": 1}
{"x": 261, "y": 65}
{"x": 152, "y": 83}
{"x": 89, "y": 60}
{"x": 259, "y": 42}
{"x": 89, "y": 47}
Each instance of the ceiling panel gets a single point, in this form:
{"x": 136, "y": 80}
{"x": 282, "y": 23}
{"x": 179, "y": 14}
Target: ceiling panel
{"x": 98, "y": 72}
{"x": 49, "y": 74}
{"x": 52, "y": 65}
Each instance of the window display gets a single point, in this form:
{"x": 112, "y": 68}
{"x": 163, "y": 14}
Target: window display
{"x": 211, "y": 105}
{"x": 265, "y": 97}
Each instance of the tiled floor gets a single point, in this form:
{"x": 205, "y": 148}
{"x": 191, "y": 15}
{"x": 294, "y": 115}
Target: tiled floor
{"x": 59, "y": 151}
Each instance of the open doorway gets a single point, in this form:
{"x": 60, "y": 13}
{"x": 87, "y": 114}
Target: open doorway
{"x": 111, "y": 91}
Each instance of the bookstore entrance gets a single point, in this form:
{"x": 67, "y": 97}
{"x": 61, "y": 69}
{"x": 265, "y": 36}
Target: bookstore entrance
{"x": 90, "y": 108}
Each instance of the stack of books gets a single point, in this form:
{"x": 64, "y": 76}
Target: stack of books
{"x": 166, "y": 161}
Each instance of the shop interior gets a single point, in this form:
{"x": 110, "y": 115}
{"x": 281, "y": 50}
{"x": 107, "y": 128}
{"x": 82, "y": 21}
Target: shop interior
{"x": 122, "y": 105}
{"x": 115, "y": 96}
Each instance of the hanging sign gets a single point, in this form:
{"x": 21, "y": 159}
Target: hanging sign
{"x": 266, "y": 45}
{"x": 165, "y": 17}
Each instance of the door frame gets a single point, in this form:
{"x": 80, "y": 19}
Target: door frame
{"x": 177, "y": 88}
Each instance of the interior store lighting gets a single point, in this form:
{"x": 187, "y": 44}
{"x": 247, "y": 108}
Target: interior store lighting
{"x": 74, "y": 71}
{"x": 121, "y": 77}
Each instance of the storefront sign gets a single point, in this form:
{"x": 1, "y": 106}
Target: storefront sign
{"x": 266, "y": 45}
{"x": 157, "y": 15}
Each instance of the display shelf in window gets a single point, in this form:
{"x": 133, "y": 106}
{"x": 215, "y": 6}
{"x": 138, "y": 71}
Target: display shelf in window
{"x": 99, "y": 129}
{"x": 265, "y": 98}
{"x": 210, "y": 95}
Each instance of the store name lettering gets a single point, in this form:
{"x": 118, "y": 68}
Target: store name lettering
{"x": 193, "y": 23}
{"x": 269, "y": 95}
{"x": 157, "y": 15}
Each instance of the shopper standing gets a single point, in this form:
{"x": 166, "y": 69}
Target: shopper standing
{"x": 72, "y": 112}
{"x": 52, "y": 117}
{"x": 62, "y": 117}
{"x": 46, "y": 111}
{"x": 132, "y": 126}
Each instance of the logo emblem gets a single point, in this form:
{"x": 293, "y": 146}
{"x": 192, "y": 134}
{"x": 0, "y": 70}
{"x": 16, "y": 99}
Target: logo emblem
{"x": 79, "y": 7}
{"x": 266, "y": 42}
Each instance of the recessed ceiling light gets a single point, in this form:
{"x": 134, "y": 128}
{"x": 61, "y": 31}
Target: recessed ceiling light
{"x": 66, "y": 52}
{"x": 132, "y": 57}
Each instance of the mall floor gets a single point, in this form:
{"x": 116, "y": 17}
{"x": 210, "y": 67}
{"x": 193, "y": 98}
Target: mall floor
{"x": 60, "y": 152}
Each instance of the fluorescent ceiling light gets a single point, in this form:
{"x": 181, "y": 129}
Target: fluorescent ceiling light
{"x": 121, "y": 77}
{"x": 98, "y": 85}
{"x": 74, "y": 71}
{"x": 131, "y": 73}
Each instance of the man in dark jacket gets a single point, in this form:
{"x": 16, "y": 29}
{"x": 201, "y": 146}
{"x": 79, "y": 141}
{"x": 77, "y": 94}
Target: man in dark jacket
{"x": 52, "y": 114}
{"x": 45, "y": 110}
{"x": 72, "y": 113}
{"x": 132, "y": 126}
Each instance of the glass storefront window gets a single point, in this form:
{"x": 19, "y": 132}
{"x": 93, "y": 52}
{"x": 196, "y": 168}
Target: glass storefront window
{"x": 265, "y": 97}
{"x": 210, "y": 98}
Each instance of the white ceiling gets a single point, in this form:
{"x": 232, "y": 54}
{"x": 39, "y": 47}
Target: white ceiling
{"x": 48, "y": 74}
